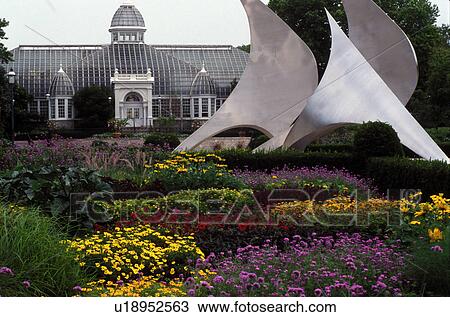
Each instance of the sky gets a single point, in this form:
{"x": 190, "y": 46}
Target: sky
{"x": 61, "y": 22}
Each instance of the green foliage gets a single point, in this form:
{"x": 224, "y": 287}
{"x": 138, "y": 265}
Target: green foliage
{"x": 440, "y": 135}
{"x": 51, "y": 188}
{"x": 162, "y": 139}
{"x": 245, "y": 47}
{"x": 94, "y": 107}
{"x": 30, "y": 246}
{"x": 191, "y": 203}
{"x": 5, "y": 55}
{"x": 238, "y": 158}
{"x": 25, "y": 122}
{"x": 377, "y": 139}
{"x": 330, "y": 148}
{"x": 438, "y": 85}
{"x": 416, "y": 17}
{"x": 191, "y": 171}
{"x": 396, "y": 173}
{"x": 430, "y": 268}
{"x": 309, "y": 21}
{"x": 259, "y": 140}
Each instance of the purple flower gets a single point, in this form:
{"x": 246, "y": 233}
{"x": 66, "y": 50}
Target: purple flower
{"x": 318, "y": 292}
{"x": 437, "y": 248}
{"x": 218, "y": 279}
{"x": 296, "y": 275}
{"x": 26, "y": 284}
{"x": 191, "y": 292}
{"x": 190, "y": 282}
{"x": 77, "y": 289}
{"x": 120, "y": 283}
{"x": 6, "y": 271}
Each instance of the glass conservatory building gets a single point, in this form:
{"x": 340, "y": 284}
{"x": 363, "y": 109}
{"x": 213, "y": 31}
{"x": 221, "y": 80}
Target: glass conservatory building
{"x": 188, "y": 82}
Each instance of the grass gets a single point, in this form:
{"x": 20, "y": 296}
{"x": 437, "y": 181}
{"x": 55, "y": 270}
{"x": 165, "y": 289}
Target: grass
{"x": 30, "y": 246}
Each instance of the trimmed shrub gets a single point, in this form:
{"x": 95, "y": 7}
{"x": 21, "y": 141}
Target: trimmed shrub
{"x": 377, "y": 139}
{"x": 162, "y": 139}
{"x": 430, "y": 177}
{"x": 330, "y": 148}
{"x": 33, "y": 262}
{"x": 292, "y": 158}
{"x": 445, "y": 146}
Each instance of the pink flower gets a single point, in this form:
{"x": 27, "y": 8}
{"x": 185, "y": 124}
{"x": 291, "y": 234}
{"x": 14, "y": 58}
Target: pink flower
{"x": 318, "y": 292}
{"x": 437, "y": 248}
{"x": 6, "y": 271}
{"x": 77, "y": 288}
{"x": 26, "y": 284}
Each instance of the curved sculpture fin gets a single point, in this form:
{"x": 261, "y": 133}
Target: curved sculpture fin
{"x": 280, "y": 76}
{"x": 351, "y": 91}
{"x": 384, "y": 45}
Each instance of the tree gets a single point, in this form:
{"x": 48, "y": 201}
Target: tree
{"x": 307, "y": 18}
{"x": 233, "y": 84}
{"x": 24, "y": 121}
{"x": 5, "y": 55}
{"x": 416, "y": 17}
{"x": 245, "y": 48}
{"x": 438, "y": 84}
{"x": 93, "y": 106}
{"x": 309, "y": 21}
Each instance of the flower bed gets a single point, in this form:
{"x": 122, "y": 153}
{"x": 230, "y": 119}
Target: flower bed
{"x": 345, "y": 265}
{"x": 126, "y": 254}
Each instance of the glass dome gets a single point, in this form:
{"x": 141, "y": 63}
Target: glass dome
{"x": 127, "y": 15}
{"x": 203, "y": 84}
{"x": 61, "y": 85}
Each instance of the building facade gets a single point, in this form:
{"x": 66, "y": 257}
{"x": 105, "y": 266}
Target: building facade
{"x": 186, "y": 82}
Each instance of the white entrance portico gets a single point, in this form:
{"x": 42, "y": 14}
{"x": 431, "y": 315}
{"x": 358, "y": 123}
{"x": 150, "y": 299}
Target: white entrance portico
{"x": 133, "y": 98}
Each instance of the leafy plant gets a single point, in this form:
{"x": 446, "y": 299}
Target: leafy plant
{"x": 377, "y": 139}
{"x": 162, "y": 139}
{"x": 430, "y": 266}
{"x": 51, "y": 187}
{"x": 191, "y": 171}
{"x": 33, "y": 260}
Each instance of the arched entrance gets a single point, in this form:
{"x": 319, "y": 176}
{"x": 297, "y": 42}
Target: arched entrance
{"x": 134, "y": 110}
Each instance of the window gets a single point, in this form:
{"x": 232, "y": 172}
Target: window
{"x": 61, "y": 108}
{"x": 218, "y": 104}
{"x": 213, "y": 106}
{"x": 186, "y": 108}
{"x": 165, "y": 108}
{"x": 137, "y": 113}
{"x": 129, "y": 113}
{"x": 196, "y": 108}
{"x": 53, "y": 109}
{"x": 133, "y": 97}
{"x": 70, "y": 109}
{"x": 205, "y": 107}
{"x": 155, "y": 108}
{"x": 34, "y": 107}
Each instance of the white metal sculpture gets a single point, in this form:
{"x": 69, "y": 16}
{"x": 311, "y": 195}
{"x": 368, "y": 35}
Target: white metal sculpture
{"x": 351, "y": 91}
{"x": 370, "y": 77}
{"x": 272, "y": 92}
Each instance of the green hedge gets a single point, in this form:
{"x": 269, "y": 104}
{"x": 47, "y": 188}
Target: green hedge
{"x": 162, "y": 139}
{"x": 395, "y": 173}
{"x": 292, "y": 158}
{"x": 330, "y": 148}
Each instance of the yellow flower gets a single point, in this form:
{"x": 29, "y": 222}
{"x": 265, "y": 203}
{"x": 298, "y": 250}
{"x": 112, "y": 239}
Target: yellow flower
{"x": 274, "y": 177}
{"x": 435, "y": 235}
{"x": 414, "y": 222}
